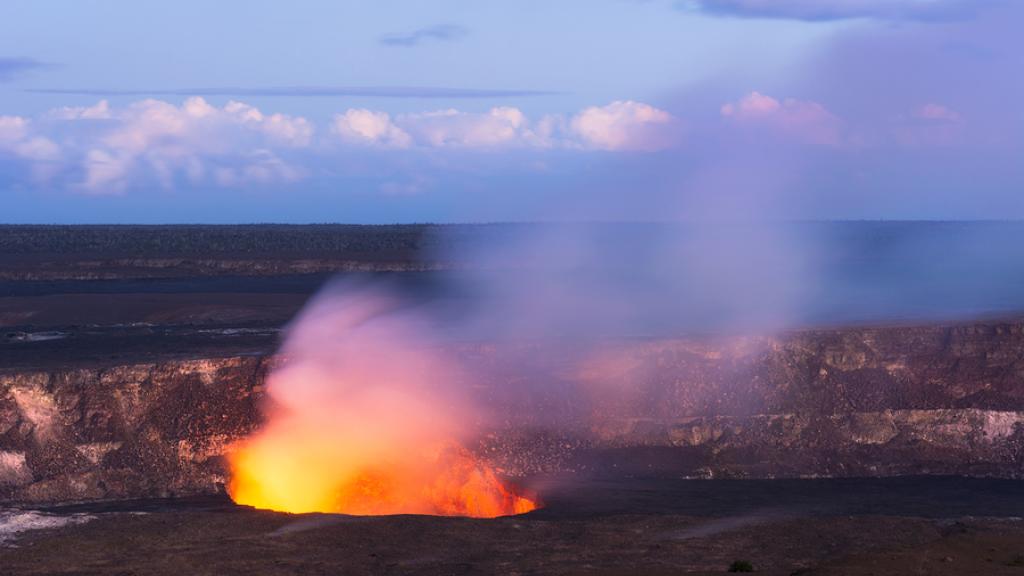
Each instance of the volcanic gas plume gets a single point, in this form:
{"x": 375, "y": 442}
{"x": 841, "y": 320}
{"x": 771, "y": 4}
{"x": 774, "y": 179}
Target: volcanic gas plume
{"x": 365, "y": 418}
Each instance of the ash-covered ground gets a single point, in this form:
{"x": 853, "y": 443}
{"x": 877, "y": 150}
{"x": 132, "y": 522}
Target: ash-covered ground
{"x": 907, "y": 360}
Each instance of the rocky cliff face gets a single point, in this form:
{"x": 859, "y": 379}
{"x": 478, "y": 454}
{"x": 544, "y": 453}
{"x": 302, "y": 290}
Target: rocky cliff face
{"x": 124, "y": 431}
{"x": 845, "y": 402}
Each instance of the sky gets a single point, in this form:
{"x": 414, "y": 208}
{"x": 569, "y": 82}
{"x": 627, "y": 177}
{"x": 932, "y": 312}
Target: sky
{"x": 462, "y": 110}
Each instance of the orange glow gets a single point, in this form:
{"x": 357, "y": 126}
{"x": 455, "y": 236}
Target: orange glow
{"x": 365, "y": 419}
{"x": 445, "y": 481}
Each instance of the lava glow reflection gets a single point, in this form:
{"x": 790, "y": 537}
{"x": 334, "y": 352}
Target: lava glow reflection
{"x": 364, "y": 419}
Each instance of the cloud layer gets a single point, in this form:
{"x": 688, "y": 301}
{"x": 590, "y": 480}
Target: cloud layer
{"x": 99, "y": 149}
{"x": 102, "y": 149}
{"x": 803, "y": 120}
{"x": 619, "y": 126}
{"x": 823, "y": 10}
{"x": 154, "y": 144}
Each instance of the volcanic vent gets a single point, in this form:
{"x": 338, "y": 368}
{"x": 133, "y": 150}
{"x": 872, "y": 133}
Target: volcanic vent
{"x": 364, "y": 418}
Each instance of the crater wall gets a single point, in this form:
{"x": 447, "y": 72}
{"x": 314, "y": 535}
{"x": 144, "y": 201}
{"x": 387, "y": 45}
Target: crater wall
{"x": 845, "y": 402}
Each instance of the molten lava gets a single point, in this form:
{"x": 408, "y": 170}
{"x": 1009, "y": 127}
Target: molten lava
{"x": 445, "y": 481}
{"x": 366, "y": 417}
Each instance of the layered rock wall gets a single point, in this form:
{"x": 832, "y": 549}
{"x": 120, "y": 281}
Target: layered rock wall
{"x": 143, "y": 430}
{"x": 845, "y": 402}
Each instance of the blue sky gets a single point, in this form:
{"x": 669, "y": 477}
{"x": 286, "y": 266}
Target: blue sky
{"x": 587, "y": 51}
{"x": 145, "y": 111}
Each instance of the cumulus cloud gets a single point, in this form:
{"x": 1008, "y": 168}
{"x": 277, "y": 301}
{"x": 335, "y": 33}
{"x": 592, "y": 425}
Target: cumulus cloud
{"x": 769, "y": 120}
{"x": 449, "y": 128}
{"x": 98, "y": 111}
{"x": 936, "y": 113}
{"x": 107, "y": 150}
{"x": 12, "y": 128}
{"x": 17, "y": 138}
{"x": 803, "y": 120}
{"x": 619, "y": 126}
{"x": 172, "y": 140}
{"x": 103, "y": 149}
{"x": 362, "y": 126}
{"x": 40, "y": 155}
{"x": 497, "y": 127}
{"x": 624, "y": 125}
{"x": 439, "y": 32}
{"x": 929, "y": 125}
{"x": 824, "y": 10}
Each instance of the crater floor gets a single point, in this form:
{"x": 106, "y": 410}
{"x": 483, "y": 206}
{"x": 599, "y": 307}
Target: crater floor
{"x": 607, "y": 525}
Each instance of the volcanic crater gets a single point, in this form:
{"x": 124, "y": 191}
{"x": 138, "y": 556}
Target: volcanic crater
{"x": 126, "y": 384}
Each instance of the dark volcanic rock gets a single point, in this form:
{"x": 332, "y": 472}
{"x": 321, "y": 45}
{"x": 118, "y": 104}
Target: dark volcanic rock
{"x": 845, "y": 402}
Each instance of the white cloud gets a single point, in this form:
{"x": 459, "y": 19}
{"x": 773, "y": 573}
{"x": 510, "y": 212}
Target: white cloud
{"x": 752, "y": 105}
{"x": 98, "y": 111}
{"x": 497, "y": 127}
{"x": 617, "y": 126}
{"x": 12, "y": 129}
{"x": 803, "y": 120}
{"x": 361, "y": 126}
{"x": 936, "y": 113}
{"x": 18, "y": 139}
{"x": 624, "y": 125}
{"x": 293, "y": 131}
{"x": 103, "y": 149}
{"x": 161, "y": 141}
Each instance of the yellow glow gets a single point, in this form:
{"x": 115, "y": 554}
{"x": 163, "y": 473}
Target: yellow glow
{"x": 285, "y": 474}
